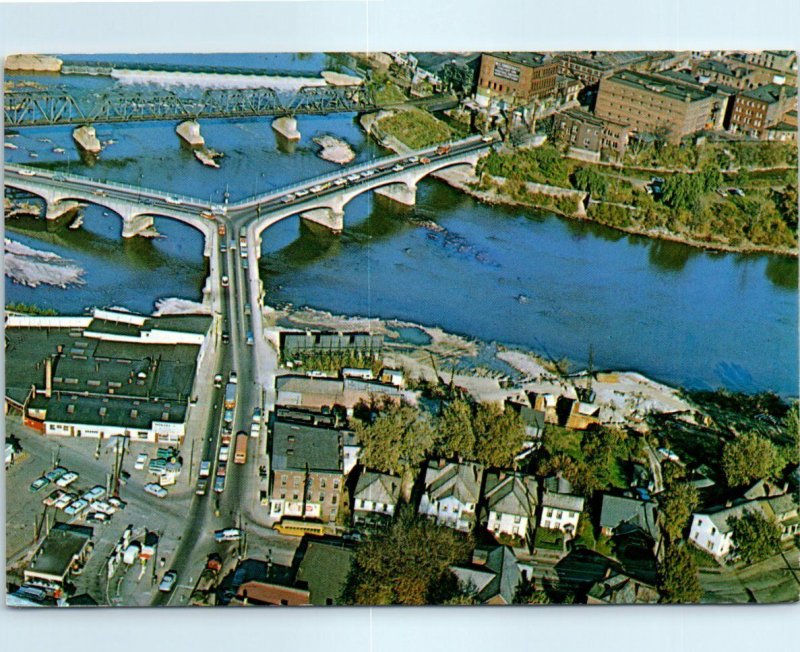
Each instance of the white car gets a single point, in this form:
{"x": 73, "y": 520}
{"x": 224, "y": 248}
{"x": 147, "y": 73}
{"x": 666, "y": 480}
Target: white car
{"x": 141, "y": 460}
{"x": 67, "y": 479}
{"x": 302, "y": 193}
{"x": 168, "y": 583}
{"x": 95, "y": 493}
{"x": 27, "y": 173}
{"x": 340, "y": 182}
{"x": 316, "y": 189}
{"x": 398, "y": 168}
{"x": 156, "y": 490}
{"x": 103, "y": 507}
{"x": 76, "y": 507}
{"x": 50, "y": 501}
{"x": 224, "y": 453}
{"x": 174, "y": 201}
{"x": 205, "y": 468}
{"x": 64, "y": 500}
{"x": 367, "y": 173}
{"x": 353, "y": 177}
{"x": 413, "y": 159}
{"x": 288, "y": 198}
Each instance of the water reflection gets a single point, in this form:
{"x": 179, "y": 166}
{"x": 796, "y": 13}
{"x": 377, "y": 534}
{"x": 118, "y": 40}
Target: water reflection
{"x": 669, "y": 256}
{"x": 782, "y": 272}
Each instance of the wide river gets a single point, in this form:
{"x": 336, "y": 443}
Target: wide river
{"x": 517, "y": 277}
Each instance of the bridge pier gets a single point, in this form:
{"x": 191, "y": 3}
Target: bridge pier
{"x": 286, "y": 126}
{"x": 58, "y": 209}
{"x": 137, "y": 225}
{"x": 327, "y": 217}
{"x": 404, "y": 193}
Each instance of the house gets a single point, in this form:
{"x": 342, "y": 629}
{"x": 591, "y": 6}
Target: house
{"x": 64, "y": 548}
{"x": 493, "y": 577}
{"x": 451, "y": 493}
{"x": 711, "y": 528}
{"x": 588, "y": 136}
{"x": 533, "y": 421}
{"x": 262, "y": 583}
{"x": 307, "y": 471}
{"x": 619, "y": 588}
{"x": 324, "y": 566}
{"x": 757, "y": 109}
{"x": 561, "y": 512}
{"x": 511, "y": 502}
{"x": 375, "y": 497}
{"x": 623, "y": 515}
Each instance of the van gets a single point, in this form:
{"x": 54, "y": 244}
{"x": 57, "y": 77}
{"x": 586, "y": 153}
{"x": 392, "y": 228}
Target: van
{"x": 228, "y": 534}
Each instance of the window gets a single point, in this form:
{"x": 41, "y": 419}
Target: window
{"x": 322, "y": 483}
{"x": 548, "y": 512}
{"x": 283, "y": 481}
{"x": 297, "y": 481}
{"x": 335, "y": 484}
{"x": 334, "y": 498}
{"x": 294, "y": 496}
{"x": 322, "y": 497}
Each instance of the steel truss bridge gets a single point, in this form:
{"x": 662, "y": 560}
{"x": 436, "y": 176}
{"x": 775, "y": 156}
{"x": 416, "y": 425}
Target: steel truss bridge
{"x": 58, "y": 106}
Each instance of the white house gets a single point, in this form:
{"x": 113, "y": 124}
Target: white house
{"x": 511, "y": 501}
{"x": 451, "y": 493}
{"x": 561, "y": 512}
{"x": 376, "y": 496}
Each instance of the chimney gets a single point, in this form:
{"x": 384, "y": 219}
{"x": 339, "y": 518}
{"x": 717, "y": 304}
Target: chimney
{"x": 48, "y": 378}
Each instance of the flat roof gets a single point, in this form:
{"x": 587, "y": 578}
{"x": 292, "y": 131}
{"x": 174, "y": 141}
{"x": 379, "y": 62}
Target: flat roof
{"x": 297, "y": 447}
{"x": 664, "y": 86}
{"x": 530, "y": 59}
{"x": 770, "y": 93}
{"x": 59, "y": 550}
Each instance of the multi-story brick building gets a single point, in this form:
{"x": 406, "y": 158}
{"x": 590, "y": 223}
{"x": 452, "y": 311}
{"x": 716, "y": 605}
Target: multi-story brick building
{"x": 782, "y": 60}
{"x": 307, "y": 471}
{"x": 653, "y": 104}
{"x": 756, "y": 110}
{"x": 588, "y": 136}
{"x": 518, "y": 77}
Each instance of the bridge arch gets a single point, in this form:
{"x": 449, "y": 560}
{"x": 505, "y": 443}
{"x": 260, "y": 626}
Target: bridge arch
{"x": 334, "y": 204}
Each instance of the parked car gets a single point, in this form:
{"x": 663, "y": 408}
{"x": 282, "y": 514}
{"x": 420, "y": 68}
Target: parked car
{"x": 225, "y": 281}
{"x": 104, "y": 507}
{"x": 64, "y": 500}
{"x": 76, "y": 507}
{"x": 219, "y": 484}
{"x": 233, "y": 377}
{"x": 117, "y": 503}
{"x": 98, "y": 517}
{"x": 224, "y": 453}
{"x": 95, "y": 493}
{"x": 205, "y": 468}
{"x": 155, "y": 489}
{"x": 168, "y": 582}
{"x": 53, "y": 497}
{"x": 55, "y": 474}
{"x": 67, "y": 479}
{"x": 202, "y": 487}
{"x": 38, "y": 484}
{"x": 141, "y": 460}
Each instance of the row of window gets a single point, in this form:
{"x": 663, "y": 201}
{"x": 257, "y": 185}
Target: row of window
{"x": 310, "y": 497}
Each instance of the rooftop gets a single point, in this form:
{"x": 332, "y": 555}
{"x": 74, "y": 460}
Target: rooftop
{"x": 59, "y": 550}
{"x": 566, "y": 502}
{"x": 620, "y": 513}
{"x": 493, "y": 575}
{"x": 771, "y": 93}
{"x": 511, "y": 494}
{"x": 460, "y": 481}
{"x": 664, "y": 86}
{"x": 325, "y": 567}
{"x": 530, "y": 59}
{"x": 378, "y": 488}
{"x": 297, "y": 447}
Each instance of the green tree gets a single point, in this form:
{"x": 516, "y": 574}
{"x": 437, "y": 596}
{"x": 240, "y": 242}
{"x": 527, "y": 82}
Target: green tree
{"x": 457, "y": 77}
{"x": 791, "y": 451}
{"x": 755, "y": 536}
{"x": 456, "y": 432}
{"x": 499, "y": 435}
{"x": 678, "y": 577}
{"x": 749, "y": 457}
{"x": 676, "y": 505}
{"x": 590, "y": 180}
{"x": 787, "y": 204}
{"x": 397, "y": 441}
{"x": 407, "y": 563}
{"x": 682, "y": 191}
{"x": 711, "y": 178}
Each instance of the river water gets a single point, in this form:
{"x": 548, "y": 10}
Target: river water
{"x": 517, "y": 277}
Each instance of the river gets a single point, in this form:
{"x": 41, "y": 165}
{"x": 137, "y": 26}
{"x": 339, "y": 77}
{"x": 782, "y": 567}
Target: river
{"x": 517, "y": 277}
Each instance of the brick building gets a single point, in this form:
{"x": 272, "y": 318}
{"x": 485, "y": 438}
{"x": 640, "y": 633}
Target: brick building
{"x": 650, "y": 104}
{"x": 588, "y": 136}
{"x": 518, "y": 77}
{"x": 307, "y": 471}
{"x": 757, "y": 109}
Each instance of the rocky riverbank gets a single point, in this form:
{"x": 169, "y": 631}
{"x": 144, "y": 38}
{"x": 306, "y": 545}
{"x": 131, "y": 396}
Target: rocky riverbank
{"x": 32, "y": 268}
{"x": 334, "y": 149}
{"x": 491, "y": 372}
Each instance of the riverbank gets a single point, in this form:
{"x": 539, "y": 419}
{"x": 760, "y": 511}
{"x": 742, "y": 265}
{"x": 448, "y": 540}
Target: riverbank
{"x": 491, "y": 372}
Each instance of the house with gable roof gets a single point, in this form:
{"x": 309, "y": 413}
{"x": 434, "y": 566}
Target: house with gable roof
{"x": 375, "y": 497}
{"x": 451, "y": 493}
{"x": 510, "y": 503}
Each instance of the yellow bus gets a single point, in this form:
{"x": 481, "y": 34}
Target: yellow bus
{"x": 296, "y": 528}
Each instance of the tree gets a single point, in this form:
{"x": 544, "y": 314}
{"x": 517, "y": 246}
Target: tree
{"x": 676, "y": 505}
{"x": 590, "y": 180}
{"x": 711, "y": 177}
{"x": 787, "y": 204}
{"x": 456, "y": 432}
{"x": 791, "y": 451}
{"x": 678, "y": 577}
{"x": 407, "y": 563}
{"x": 397, "y": 441}
{"x": 499, "y": 435}
{"x": 457, "y": 77}
{"x": 682, "y": 191}
{"x": 748, "y": 458}
{"x": 756, "y": 537}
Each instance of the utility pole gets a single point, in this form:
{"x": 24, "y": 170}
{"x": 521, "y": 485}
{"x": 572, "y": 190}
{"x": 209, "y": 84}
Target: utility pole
{"x": 191, "y": 462}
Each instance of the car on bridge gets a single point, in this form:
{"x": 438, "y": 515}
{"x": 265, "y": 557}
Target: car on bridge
{"x": 27, "y": 173}
{"x": 340, "y": 182}
{"x": 173, "y": 200}
{"x": 225, "y": 281}
{"x": 353, "y": 177}
{"x": 367, "y": 173}
{"x": 99, "y": 193}
{"x": 398, "y": 168}
{"x": 301, "y": 193}
{"x": 413, "y": 159}
{"x": 288, "y": 198}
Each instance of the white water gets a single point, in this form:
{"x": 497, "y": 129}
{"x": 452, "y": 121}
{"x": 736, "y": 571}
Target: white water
{"x": 214, "y": 80}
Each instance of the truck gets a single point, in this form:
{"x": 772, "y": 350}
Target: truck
{"x": 240, "y": 454}
{"x": 230, "y": 396}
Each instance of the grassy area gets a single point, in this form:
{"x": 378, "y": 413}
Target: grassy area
{"x": 415, "y": 128}
{"x": 388, "y": 93}
{"x": 562, "y": 440}
{"x": 703, "y": 559}
{"x": 549, "y": 539}
{"x": 29, "y": 309}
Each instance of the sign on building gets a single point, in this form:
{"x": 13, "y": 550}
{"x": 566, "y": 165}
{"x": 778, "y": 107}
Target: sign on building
{"x": 506, "y": 71}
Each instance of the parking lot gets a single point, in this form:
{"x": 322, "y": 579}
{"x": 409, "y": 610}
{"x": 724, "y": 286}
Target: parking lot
{"x": 130, "y": 585}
